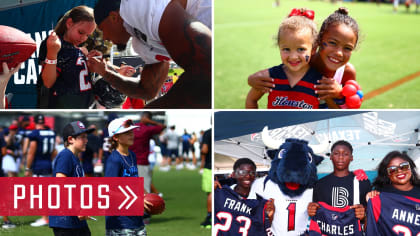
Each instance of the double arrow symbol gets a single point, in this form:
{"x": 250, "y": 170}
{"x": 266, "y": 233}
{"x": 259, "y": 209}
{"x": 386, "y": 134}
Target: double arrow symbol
{"x": 127, "y": 197}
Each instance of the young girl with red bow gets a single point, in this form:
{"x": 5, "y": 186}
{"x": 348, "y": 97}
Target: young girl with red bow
{"x": 338, "y": 37}
{"x": 294, "y": 80}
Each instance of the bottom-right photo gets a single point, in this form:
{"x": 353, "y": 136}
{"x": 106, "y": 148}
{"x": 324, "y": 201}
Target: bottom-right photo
{"x": 316, "y": 173}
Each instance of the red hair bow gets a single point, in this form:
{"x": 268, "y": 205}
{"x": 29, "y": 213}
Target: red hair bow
{"x": 302, "y": 12}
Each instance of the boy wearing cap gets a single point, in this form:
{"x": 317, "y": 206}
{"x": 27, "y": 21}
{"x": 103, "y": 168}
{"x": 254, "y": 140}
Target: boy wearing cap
{"x": 41, "y": 152}
{"x": 122, "y": 163}
{"x": 67, "y": 164}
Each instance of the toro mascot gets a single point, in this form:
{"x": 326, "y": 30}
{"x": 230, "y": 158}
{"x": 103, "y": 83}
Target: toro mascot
{"x": 289, "y": 182}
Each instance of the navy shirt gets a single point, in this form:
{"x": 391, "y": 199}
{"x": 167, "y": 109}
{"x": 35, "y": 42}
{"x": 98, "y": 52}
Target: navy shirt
{"x": 122, "y": 166}
{"x": 45, "y": 140}
{"x": 393, "y": 214}
{"x": 334, "y": 221}
{"x": 237, "y": 214}
{"x": 67, "y": 163}
{"x": 73, "y": 87}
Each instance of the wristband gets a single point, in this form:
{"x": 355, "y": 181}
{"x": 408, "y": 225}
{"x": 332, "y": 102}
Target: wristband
{"x": 28, "y": 169}
{"x": 51, "y": 62}
{"x": 341, "y": 101}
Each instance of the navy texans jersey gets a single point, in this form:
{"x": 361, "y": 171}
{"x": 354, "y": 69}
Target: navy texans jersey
{"x": 73, "y": 86}
{"x": 45, "y": 140}
{"x": 393, "y": 214}
{"x": 235, "y": 215}
{"x": 301, "y": 96}
{"x": 332, "y": 221}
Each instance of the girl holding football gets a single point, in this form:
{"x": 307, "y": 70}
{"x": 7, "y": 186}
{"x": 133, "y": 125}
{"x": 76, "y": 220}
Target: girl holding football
{"x": 338, "y": 37}
{"x": 64, "y": 64}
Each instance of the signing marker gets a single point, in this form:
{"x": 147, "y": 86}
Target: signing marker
{"x": 90, "y": 217}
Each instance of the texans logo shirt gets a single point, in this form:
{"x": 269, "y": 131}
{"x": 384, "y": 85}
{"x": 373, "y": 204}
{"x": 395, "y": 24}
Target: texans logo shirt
{"x": 393, "y": 214}
{"x": 301, "y": 96}
{"x": 332, "y": 221}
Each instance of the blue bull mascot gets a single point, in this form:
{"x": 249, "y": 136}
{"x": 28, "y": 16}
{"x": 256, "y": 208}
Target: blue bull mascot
{"x": 289, "y": 182}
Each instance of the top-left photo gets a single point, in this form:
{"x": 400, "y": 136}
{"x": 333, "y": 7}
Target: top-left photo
{"x": 105, "y": 54}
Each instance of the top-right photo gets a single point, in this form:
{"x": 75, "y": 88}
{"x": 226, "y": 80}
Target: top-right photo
{"x": 301, "y": 54}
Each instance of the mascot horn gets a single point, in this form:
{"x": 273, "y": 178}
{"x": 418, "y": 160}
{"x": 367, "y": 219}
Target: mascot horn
{"x": 293, "y": 165}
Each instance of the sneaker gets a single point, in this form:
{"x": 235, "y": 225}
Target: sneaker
{"x": 39, "y": 223}
{"x": 8, "y": 225}
{"x": 191, "y": 167}
{"x": 206, "y": 223}
{"x": 180, "y": 166}
{"x": 165, "y": 168}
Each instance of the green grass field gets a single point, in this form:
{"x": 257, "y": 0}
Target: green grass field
{"x": 244, "y": 43}
{"x": 185, "y": 209}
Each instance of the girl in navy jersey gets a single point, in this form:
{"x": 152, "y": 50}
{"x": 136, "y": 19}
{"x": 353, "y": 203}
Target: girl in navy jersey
{"x": 64, "y": 65}
{"x": 294, "y": 79}
{"x": 122, "y": 163}
{"x": 338, "y": 37}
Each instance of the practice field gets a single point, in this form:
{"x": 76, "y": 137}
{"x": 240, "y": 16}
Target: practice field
{"x": 388, "y": 52}
{"x": 185, "y": 209}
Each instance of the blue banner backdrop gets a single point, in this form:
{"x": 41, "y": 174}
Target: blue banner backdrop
{"x": 37, "y": 20}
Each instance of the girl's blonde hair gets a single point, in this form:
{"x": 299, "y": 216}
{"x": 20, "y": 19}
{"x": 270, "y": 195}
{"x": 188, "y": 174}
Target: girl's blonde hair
{"x": 77, "y": 14}
{"x": 298, "y": 24}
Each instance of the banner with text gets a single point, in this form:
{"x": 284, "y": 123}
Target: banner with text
{"x": 91, "y": 196}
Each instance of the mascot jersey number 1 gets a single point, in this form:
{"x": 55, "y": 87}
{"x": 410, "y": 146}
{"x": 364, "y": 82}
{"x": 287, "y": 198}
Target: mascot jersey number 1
{"x": 289, "y": 182}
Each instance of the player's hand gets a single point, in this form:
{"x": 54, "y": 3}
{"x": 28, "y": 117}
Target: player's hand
{"x": 28, "y": 173}
{"x": 94, "y": 53}
{"x": 5, "y": 76}
{"x": 372, "y": 194}
{"x": 328, "y": 88}
{"x": 83, "y": 217}
{"x": 97, "y": 66}
{"x": 53, "y": 46}
{"x": 359, "y": 211}
{"x": 217, "y": 184}
{"x": 261, "y": 81}
{"x": 270, "y": 209}
{"x": 147, "y": 205}
{"x": 312, "y": 208}
{"x": 360, "y": 174}
{"x": 126, "y": 70}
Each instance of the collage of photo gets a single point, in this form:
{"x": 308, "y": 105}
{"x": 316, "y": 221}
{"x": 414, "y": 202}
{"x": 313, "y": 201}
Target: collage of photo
{"x": 179, "y": 95}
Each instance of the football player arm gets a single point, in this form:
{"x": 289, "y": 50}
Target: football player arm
{"x": 252, "y": 99}
{"x": 204, "y": 151}
{"x": 188, "y": 42}
{"x": 30, "y": 158}
{"x": 4, "y": 80}
{"x": 147, "y": 87}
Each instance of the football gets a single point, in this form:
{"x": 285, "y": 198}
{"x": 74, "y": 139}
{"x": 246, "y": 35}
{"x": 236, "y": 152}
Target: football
{"x": 15, "y": 46}
{"x": 158, "y": 203}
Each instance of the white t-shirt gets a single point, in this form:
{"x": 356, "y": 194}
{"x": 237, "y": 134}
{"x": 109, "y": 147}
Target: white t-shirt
{"x": 291, "y": 215}
{"x": 142, "y": 18}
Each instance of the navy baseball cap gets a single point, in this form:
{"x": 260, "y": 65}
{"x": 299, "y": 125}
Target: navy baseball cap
{"x": 39, "y": 119}
{"x": 74, "y": 129}
{"x": 103, "y": 8}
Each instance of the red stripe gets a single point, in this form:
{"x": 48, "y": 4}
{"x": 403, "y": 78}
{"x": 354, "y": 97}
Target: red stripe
{"x": 376, "y": 207}
{"x": 300, "y": 83}
{"x": 413, "y": 199}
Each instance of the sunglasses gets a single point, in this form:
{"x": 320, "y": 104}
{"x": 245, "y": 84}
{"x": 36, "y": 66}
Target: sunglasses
{"x": 394, "y": 169}
{"x": 126, "y": 124}
{"x": 244, "y": 173}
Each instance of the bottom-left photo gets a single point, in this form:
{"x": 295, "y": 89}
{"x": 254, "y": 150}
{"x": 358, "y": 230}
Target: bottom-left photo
{"x": 157, "y": 167}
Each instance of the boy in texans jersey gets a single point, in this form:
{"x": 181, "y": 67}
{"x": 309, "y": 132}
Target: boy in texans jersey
{"x": 235, "y": 214}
